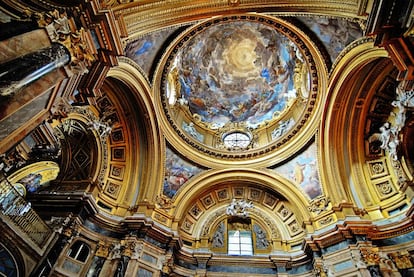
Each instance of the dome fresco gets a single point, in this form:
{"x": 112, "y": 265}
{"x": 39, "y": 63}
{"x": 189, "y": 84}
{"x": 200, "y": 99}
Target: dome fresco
{"x": 238, "y": 71}
{"x": 244, "y": 84}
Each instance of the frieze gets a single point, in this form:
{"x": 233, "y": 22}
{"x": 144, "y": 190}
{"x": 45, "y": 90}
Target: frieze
{"x": 327, "y": 220}
{"x": 370, "y": 255}
{"x": 160, "y": 218}
{"x": 319, "y": 205}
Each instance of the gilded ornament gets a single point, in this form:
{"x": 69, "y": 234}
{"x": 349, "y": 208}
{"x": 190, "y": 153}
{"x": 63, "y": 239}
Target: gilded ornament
{"x": 102, "y": 249}
{"x": 377, "y": 168}
{"x": 319, "y": 205}
{"x": 370, "y": 255}
{"x": 402, "y": 259}
{"x": 164, "y": 202}
{"x": 384, "y": 188}
{"x": 326, "y": 220}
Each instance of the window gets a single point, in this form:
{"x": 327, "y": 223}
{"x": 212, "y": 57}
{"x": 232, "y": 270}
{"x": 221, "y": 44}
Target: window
{"x": 240, "y": 242}
{"x": 239, "y": 236}
{"x": 76, "y": 257}
{"x": 237, "y": 140}
{"x": 79, "y": 251}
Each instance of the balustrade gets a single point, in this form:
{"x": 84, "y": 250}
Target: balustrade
{"x": 18, "y": 212}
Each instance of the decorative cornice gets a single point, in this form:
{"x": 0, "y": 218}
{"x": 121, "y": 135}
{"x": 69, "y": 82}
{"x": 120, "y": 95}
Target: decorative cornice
{"x": 158, "y": 14}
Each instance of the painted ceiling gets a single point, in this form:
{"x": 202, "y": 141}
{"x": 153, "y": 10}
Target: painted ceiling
{"x": 238, "y": 71}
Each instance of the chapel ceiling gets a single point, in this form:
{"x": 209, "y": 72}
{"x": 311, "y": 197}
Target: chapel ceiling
{"x": 238, "y": 87}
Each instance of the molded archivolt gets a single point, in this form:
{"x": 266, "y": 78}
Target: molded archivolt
{"x": 361, "y": 78}
{"x": 278, "y": 204}
{"x": 134, "y": 150}
{"x": 279, "y": 222}
{"x": 11, "y": 262}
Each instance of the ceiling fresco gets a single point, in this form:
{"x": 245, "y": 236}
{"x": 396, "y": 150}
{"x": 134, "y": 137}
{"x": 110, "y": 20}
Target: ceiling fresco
{"x": 334, "y": 33}
{"x": 144, "y": 50}
{"x": 303, "y": 171}
{"x": 238, "y": 71}
{"x": 177, "y": 172}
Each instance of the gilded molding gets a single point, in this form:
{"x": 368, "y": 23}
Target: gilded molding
{"x": 160, "y": 14}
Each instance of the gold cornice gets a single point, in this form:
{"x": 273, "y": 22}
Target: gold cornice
{"x": 143, "y": 17}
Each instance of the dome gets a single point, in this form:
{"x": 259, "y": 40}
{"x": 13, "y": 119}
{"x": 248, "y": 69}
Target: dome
{"x": 239, "y": 84}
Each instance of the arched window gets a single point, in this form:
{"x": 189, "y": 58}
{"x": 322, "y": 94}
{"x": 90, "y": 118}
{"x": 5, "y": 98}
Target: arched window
{"x": 239, "y": 237}
{"x": 76, "y": 257}
{"x": 79, "y": 251}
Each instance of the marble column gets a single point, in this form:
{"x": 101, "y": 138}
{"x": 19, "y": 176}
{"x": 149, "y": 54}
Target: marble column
{"x": 96, "y": 266}
{"x": 17, "y": 73}
{"x": 122, "y": 266}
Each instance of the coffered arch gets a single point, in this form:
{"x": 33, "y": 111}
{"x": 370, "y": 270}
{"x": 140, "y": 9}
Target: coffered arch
{"x": 360, "y": 73}
{"x": 278, "y": 227}
{"x": 130, "y": 74}
{"x": 134, "y": 143}
{"x": 271, "y": 186}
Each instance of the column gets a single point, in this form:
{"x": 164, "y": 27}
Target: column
{"x": 22, "y": 71}
{"x": 99, "y": 259}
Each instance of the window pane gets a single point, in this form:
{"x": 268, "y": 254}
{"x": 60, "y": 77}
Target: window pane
{"x": 234, "y": 238}
{"x": 83, "y": 253}
{"x": 79, "y": 251}
{"x": 246, "y": 253}
{"x": 73, "y": 251}
{"x": 246, "y": 250}
{"x": 240, "y": 242}
{"x": 245, "y": 240}
{"x": 234, "y": 247}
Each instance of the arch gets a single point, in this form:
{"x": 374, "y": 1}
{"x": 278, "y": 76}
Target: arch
{"x": 264, "y": 179}
{"x": 79, "y": 251}
{"x": 152, "y": 144}
{"x": 339, "y": 138}
{"x": 74, "y": 132}
{"x": 275, "y": 227}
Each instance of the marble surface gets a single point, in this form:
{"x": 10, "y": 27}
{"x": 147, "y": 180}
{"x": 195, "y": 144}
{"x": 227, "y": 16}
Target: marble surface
{"x": 23, "y": 44}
